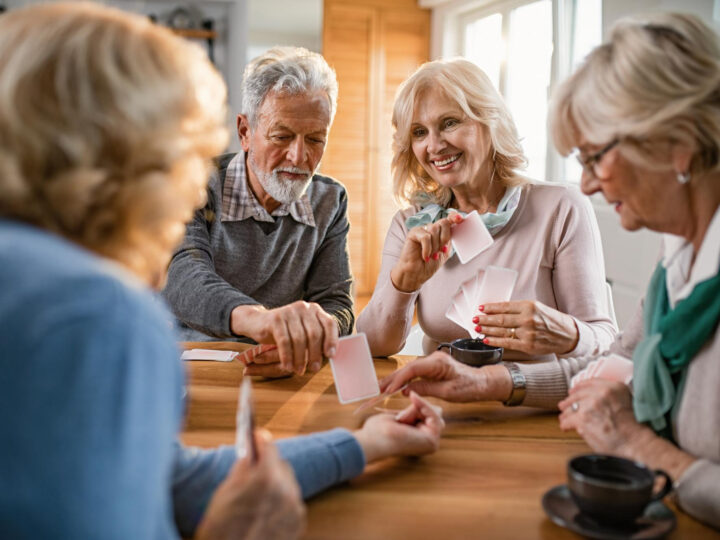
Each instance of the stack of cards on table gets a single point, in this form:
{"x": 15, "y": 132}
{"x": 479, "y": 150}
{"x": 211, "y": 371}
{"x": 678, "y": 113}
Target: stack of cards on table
{"x": 496, "y": 284}
{"x": 611, "y": 368}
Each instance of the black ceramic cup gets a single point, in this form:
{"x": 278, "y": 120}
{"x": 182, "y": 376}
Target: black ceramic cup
{"x": 473, "y": 352}
{"x": 613, "y": 490}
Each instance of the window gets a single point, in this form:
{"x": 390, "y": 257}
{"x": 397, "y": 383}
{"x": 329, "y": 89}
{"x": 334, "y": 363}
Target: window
{"x": 526, "y": 47}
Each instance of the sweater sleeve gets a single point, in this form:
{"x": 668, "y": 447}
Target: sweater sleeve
{"x": 198, "y": 296}
{"x": 388, "y": 316}
{"x": 329, "y": 281}
{"x": 95, "y": 386}
{"x": 579, "y": 278}
{"x": 548, "y": 382}
{"x": 319, "y": 461}
{"x": 697, "y": 491}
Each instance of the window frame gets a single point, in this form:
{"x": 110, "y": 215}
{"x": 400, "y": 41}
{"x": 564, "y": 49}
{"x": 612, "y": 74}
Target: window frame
{"x": 563, "y": 16}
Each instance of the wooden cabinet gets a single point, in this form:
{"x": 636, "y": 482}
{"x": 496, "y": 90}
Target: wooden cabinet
{"x": 373, "y": 46}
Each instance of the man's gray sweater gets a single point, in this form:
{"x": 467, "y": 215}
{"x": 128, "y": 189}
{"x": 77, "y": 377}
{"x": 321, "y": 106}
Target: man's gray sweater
{"x": 221, "y": 265}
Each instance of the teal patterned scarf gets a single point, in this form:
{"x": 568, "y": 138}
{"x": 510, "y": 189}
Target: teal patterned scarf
{"x": 433, "y": 212}
{"x": 672, "y": 339}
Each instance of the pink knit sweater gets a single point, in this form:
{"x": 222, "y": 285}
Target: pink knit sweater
{"x": 553, "y": 242}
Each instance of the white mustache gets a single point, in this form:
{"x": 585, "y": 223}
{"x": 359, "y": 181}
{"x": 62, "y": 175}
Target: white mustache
{"x": 292, "y": 170}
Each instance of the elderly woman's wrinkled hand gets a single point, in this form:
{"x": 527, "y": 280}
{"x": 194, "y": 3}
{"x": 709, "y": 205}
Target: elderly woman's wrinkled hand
{"x": 426, "y": 249}
{"x": 258, "y": 501}
{"x": 602, "y": 414}
{"x": 439, "y": 375}
{"x": 414, "y": 431}
{"x": 527, "y": 326}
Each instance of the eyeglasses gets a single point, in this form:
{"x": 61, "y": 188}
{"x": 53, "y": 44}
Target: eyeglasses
{"x": 590, "y": 162}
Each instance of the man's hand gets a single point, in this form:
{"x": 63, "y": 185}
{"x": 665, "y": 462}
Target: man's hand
{"x": 303, "y": 332}
{"x": 256, "y": 501}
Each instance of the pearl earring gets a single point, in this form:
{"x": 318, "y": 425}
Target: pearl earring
{"x": 683, "y": 178}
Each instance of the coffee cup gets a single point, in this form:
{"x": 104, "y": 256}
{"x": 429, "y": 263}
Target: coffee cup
{"x": 611, "y": 489}
{"x": 473, "y": 352}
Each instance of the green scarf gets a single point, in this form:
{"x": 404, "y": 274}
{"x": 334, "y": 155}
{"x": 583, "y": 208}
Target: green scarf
{"x": 672, "y": 339}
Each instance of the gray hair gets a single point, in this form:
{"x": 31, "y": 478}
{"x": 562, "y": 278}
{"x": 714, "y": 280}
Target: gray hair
{"x": 287, "y": 70}
{"x": 657, "y": 77}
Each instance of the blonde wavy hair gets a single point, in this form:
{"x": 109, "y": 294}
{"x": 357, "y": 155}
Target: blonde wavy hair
{"x": 656, "y": 79}
{"x": 467, "y": 85}
{"x": 107, "y": 126}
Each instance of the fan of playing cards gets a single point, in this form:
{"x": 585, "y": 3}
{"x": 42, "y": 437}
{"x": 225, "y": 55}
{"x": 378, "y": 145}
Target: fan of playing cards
{"x": 495, "y": 284}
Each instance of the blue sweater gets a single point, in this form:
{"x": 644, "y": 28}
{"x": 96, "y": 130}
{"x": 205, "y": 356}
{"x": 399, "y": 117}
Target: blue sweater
{"x": 90, "y": 405}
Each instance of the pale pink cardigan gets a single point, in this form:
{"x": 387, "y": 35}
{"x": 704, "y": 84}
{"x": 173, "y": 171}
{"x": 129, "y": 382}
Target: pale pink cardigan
{"x": 553, "y": 242}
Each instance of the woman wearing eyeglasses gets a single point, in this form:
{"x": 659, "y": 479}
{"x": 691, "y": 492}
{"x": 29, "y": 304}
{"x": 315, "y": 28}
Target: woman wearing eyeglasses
{"x": 456, "y": 150}
{"x": 643, "y": 112}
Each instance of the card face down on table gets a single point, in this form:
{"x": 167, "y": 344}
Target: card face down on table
{"x": 353, "y": 369}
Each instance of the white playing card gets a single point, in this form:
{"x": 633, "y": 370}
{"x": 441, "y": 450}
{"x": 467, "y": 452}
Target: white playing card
{"x": 497, "y": 286}
{"x": 207, "y": 354}
{"x": 454, "y": 316}
{"x": 471, "y": 237}
{"x": 462, "y": 306}
{"x": 353, "y": 369}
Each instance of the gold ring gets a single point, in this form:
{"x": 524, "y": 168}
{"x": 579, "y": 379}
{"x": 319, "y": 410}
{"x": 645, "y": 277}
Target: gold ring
{"x": 513, "y": 335}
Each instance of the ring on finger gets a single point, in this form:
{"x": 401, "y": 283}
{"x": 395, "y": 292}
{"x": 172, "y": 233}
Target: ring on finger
{"x": 575, "y": 406}
{"x": 513, "y": 333}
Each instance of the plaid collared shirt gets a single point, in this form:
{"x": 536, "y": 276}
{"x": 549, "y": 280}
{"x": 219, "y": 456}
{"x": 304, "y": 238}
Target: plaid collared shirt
{"x": 239, "y": 202}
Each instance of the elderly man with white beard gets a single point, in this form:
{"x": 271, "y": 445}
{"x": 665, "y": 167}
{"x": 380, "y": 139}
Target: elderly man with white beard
{"x": 266, "y": 259}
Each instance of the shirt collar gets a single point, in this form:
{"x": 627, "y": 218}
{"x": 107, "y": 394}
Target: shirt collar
{"x": 682, "y": 274}
{"x": 239, "y": 202}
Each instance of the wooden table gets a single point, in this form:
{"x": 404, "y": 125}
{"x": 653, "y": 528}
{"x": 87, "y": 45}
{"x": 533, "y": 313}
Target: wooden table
{"x": 486, "y": 481}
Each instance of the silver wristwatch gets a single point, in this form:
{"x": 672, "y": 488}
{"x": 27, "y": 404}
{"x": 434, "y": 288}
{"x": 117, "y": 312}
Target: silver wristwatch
{"x": 517, "y": 396}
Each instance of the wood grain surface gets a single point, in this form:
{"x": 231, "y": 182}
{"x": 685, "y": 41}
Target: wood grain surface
{"x": 486, "y": 481}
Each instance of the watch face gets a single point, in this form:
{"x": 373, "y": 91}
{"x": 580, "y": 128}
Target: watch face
{"x": 180, "y": 18}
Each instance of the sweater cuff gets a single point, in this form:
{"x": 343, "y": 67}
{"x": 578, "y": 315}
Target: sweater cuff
{"x": 226, "y": 310}
{"x": 697, "y": 491}
{"x": 322, "y": 460}
{"x": 545, "y": 383}
{"x": 587, "y": 344}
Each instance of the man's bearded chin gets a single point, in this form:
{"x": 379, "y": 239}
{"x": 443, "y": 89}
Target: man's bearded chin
{"x": 283, "y": 190}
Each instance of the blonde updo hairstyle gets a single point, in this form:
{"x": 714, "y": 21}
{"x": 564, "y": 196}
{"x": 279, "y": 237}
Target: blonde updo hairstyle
{"x": 107, "y": 126}
{"x": 656, "y": 79}
{"x": 467, "y": 85}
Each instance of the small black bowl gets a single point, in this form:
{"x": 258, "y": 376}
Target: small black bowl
{"x": 473, "y": 352}
{"x": 612, "y": 489}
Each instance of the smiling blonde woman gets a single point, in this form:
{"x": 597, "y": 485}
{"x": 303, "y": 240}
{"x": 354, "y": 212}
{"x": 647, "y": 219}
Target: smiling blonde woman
{"x": 456, "y": 149}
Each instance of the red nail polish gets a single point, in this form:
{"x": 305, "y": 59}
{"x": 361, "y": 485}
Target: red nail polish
{"x": 444, "y": 249}
{"x": 478, "y": 328}
{"x": 476, "y": 319}
{"x": 427, "y": 259}
{"x": 481, "y": 308}
{"x": 435, "y": 256}
{"x": 486, "y": 341}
